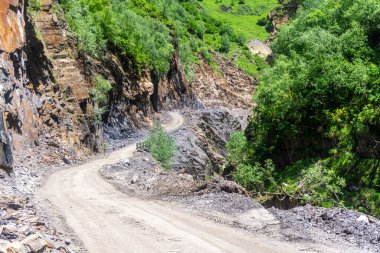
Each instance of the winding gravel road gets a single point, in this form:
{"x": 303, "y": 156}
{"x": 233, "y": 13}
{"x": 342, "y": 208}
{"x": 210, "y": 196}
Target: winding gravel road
{"x": 107, "y": 220}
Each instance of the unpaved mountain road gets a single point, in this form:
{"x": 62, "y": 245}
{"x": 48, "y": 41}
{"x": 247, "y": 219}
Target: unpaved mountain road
{"x": 107, "y": 220}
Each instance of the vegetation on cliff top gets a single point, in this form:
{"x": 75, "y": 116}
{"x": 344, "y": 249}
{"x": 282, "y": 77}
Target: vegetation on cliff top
{"x": 318, "y": 108}
{"x": 148, "y": 31}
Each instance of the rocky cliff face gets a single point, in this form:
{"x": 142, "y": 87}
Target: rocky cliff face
{"x": 281, "y": 15}
{"x": 134, "y": 98}
{"x": 12, "y": 76}
{"x": 231, "y": 88}
{"x": 34, "y": 96}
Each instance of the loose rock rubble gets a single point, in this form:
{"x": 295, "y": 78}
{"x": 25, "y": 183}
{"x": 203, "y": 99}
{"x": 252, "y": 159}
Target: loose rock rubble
{"x": 336, "y": 224}
{"x": 142, "y": 176}
{"x": 22, "y": 231}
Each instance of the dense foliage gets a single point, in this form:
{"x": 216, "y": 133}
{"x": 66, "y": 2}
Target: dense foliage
{"x": 148, "y": 31}
{"x": 112, "y": 23}
{"x": 318, "y": 107}
{"x": 161, "y": 145}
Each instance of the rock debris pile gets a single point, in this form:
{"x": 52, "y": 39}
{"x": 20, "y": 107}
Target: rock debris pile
{"x": 22, "y": 231}
{"x": 336, "y": 224}
{"x": 143, "y": 177}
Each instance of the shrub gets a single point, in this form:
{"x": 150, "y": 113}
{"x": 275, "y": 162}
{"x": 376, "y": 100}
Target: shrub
{"x": 244, "y": 10}
{"x": 256, "y": 177}
{"x": 225, "y": 43}
{"x": 241, "y": 39}
{"x": 161, "y": 145}
{"x": 100, "y": 91}
{"x": 225, "y": 8}
{"x": 206, "y": 55}
{"x": 312, "y": 182}
{"x": 236, "y": 147}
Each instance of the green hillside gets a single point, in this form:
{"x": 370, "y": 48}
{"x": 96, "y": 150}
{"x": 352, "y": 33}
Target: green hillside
{"x": 242, "y": 15}
{"x": 145, "y": 31}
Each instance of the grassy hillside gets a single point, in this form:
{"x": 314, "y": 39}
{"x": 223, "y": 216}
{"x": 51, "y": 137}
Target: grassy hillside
{"x": 247, "y": 19}
{"x": 145, "y": 30}
{"x": 242, "y": 15}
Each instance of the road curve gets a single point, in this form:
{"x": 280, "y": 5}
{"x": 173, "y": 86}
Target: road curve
{"x": 107, "y": 220}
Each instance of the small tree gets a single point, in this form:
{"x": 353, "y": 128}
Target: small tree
{"x": 226, "y": 44}
{"x": 241, "y": 39}
{"x": 161, "y": 145}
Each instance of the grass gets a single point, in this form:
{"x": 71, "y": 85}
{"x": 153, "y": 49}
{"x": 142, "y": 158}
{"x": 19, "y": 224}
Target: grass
{"x": 245, "y": 24}
{"x": 242, "y": 22}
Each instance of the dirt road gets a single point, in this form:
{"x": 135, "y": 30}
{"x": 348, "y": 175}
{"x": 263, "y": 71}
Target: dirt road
{"x": 107, "y": 220}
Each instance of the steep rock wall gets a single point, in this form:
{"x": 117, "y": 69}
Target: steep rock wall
{"x": 231, "y": 88}
{"x": 42, "y": 121}
{"x": 12, "y": 39}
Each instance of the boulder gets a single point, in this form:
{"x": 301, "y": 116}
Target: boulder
{"x": 15, "y": 247}
{"x": 258, "y": 47}
{"x": 35, "y": 242}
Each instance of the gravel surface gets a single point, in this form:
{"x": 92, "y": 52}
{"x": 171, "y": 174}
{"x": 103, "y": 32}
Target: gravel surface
{"x": 333, "y": 224}
{"x": 142, "y": 176}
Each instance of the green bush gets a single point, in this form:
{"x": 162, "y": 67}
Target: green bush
{"x": 206, "y": 55}
{"x": 313, "y": 182}
{"x": 225, "y": 43}
{"x": 161, "y": 145}
{"x": 236, "y": 147}
{"x": 100, "y": 91}
{"x": 256, "y": 177}
{"x": 34, "y": 5}
{"x": 244, "y": 10}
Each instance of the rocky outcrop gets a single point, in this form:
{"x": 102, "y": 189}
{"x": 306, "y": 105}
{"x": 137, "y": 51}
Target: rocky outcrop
{"x": 44, "y": 97}
{"x": 71, "y": 106}
{"x": 258, "y": 47}
{"x": 12, "y": 39}
{"x": 230, "y": 88}
{"x": 6, "y": 157}
{"x": 201, "y": 142}
{"x": 135, "y": 98}
{"x": 281, "y": 15}
{"x": 12, "y": 35}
